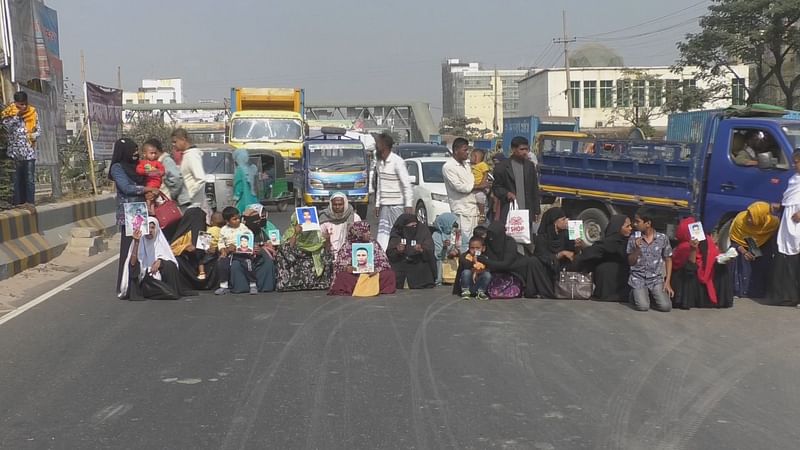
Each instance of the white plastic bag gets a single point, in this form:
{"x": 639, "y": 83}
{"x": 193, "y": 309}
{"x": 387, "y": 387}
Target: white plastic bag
{"x": 518, "y": 225}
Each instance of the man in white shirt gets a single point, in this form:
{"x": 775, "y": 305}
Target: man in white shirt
{"x": 460, "y": 185}
{"x": 193, "y": 194}
{"x": 393, "y": 193}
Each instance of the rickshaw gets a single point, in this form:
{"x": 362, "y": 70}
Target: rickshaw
{"x": 219, "y": 168}
{"x": 272, "y": 185}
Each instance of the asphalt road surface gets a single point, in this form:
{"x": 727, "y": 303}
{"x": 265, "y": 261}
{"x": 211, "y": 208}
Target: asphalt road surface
{"x": 417, "y": 369}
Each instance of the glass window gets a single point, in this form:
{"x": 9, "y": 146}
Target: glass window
{"x": 590, "y": 94}
{"x": 748, "y": 145}
{"x": 656, "y": 93}
{"x": 671, "y": 88}
{"x": 639, "y": 89}
{"x": 432, "y": 172}
{"x": 738, "y": 92}
{"x": 606, "y": 94}
{"x": 218, "y": 162}
{"x": 575, "y": 93}
{"x": 266, "y": 129}
{"x": 624, "y": 93}
{"x": 413, "y": 170}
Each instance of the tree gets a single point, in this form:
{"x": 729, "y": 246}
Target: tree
{"x": 631, "y": 105}
{"x": 150, "y": 126}
{"x": 463, "y": 127}
{"x": 764, "y": 34}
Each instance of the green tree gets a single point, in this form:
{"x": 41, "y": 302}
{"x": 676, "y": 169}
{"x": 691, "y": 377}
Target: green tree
{"x": 764, "y": 34}
{"x": 463, "y": 127}
{"x": 632, "y": 105}
{"x": 147, "y": 127}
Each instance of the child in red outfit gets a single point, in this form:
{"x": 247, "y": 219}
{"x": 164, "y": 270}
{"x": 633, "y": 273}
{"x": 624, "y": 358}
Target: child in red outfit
{"x": 151, "y": 167}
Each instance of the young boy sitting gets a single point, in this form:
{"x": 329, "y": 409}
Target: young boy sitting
{"x": 474, "y": 276}
{"x": 227, "y": 252}
{"x": 217, "y": 222}
{"x": 650, "y": 257}
{"x": 480, "y": 171}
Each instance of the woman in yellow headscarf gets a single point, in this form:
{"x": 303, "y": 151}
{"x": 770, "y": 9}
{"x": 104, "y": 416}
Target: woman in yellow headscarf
{"x": 756, "y": 225}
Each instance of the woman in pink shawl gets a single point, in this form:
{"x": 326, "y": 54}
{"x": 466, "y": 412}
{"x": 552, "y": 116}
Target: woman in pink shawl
{"x": 344, "y": 280}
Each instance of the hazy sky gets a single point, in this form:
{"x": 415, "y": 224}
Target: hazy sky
{"x": 346, "y": 50}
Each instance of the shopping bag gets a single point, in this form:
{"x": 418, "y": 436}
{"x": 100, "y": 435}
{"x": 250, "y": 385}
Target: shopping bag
{"x": 449, "y": 270}
{"x": 368, "y": 285}
{"x": 518, "y": 224}
{"x": 574, "y": 286}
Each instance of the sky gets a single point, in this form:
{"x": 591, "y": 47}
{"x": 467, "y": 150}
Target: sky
{"x": 349, "y": 50}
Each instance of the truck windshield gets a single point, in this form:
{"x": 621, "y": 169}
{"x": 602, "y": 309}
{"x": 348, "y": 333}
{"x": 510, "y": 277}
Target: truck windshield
{"x": 336, "y": 157}
{"x": 793, "y": 133}
{"x": 266, "y": 129}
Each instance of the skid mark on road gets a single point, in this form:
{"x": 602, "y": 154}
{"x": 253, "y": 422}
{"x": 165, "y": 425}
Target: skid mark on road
{"x": 110, "y": 412}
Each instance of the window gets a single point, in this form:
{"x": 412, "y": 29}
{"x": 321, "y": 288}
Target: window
{"x": 575, "y": 93}
{"x": 671, "y": 88}
{"x": 639, "y": 89}
{"x": 656, "y": 93}
{"x": 623, "y": 92}
{"x": 738, "y": 92}
{"x": 160, "y": 100}
{"x": 413, "y": 170}
{"x": 129, "y": 101}
{"x": 606, "y": 94}
{"x": 748, "y": 145}
{"x": 590, "y": 94}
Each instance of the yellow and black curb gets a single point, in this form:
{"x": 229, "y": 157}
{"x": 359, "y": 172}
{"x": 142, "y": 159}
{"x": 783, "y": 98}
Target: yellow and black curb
{"x": 29, "y": 238}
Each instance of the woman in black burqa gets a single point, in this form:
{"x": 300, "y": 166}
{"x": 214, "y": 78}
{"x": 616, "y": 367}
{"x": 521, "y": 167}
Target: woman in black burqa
{"x": 415, "y": 263}
{"x": 607, "y": 260}
{"x": 502, "y": 257}
{"x": 554, "y": 251}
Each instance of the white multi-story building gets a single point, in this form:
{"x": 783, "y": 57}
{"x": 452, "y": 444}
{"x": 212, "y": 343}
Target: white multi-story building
{"x": 598, "y": 92}
{"x": 168, "y": 90}
{"x": 74, "y": 109}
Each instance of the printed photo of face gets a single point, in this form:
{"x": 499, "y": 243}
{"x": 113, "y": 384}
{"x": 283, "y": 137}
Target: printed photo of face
{"x": 307, "y": 216}
{"x": 362, "y": 257}
{"x": 244, "y": 243}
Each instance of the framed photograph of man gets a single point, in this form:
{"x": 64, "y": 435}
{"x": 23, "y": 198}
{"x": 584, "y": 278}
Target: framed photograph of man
{"x": 244, "y": 243}
{"x": 363, "y": 258}
{"x": 307, "y": 218}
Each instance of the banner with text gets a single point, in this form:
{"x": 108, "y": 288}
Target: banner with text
{"x": 104, "y": 110}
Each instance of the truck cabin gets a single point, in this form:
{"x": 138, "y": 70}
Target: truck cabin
{"x": 333, "y": 151}
{"x": 266, "y": 129}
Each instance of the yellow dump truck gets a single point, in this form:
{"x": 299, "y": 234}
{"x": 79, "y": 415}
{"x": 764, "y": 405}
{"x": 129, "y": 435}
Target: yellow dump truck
{"x": 268, "y": 120}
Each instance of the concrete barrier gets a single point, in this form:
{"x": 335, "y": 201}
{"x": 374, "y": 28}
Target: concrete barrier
{"x": 31, "y": 238}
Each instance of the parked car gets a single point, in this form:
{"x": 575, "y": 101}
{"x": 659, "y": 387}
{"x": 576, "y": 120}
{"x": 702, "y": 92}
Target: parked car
{"x": 407, "y": 151}
{"x": 430, "y": 195}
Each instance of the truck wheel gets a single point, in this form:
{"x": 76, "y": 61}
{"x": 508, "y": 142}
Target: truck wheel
{"x": 283, "y": 206}
{"x": 422, "y": 213}
{"x": 595, "y": 222}
{"x": 361, "y": 210}
{"x": 724, "y": 236}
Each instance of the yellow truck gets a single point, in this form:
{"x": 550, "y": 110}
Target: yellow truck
{"x": 268, "y": 121}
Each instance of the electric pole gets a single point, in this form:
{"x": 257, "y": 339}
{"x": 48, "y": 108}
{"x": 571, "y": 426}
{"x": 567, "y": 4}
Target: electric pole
{"x": 566, "y": 40}
{"x": 495, "y": 123}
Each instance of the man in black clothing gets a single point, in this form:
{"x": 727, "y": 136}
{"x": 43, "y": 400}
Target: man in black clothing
{"x": 515, "y": 179}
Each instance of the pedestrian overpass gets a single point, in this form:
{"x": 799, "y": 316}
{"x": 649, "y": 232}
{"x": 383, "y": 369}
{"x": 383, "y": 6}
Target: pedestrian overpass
{"x": 412, "y": 121}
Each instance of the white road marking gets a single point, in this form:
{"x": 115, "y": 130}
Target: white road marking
{"x": 47, "y": 295}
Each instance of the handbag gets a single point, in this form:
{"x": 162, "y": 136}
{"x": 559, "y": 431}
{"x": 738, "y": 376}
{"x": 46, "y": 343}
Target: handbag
{"x": 167, "y": 212}
{"x": 368, "y": 285}
{"x": 449, "y": 270}
{"x": 574, "y": 286}
{"x": 504, "y": 286}
{"x": 518, "y": 224}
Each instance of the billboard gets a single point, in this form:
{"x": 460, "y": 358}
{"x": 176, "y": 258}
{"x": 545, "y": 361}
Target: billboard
{"x": 104, "y": 111}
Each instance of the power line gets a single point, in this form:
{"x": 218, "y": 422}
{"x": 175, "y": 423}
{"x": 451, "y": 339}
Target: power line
{"x": 543, "y": 55}
{"x": 648, "y": 33}
{"x": 648, "y": 22}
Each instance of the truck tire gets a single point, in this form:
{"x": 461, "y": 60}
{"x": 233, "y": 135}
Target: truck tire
{"x": 361, "y": 210}
{"x": 595, "y": 222}
{"x": 724, "y": 236}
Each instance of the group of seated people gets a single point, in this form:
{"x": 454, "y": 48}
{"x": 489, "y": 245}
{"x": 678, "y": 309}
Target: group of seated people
{"x": 642, "y": 268}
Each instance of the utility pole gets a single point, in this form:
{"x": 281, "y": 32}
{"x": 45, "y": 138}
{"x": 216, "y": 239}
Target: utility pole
{"x": 566, "y": 40}
{"x": 89, "y": 146}
{"x": 496, "y": 82}
{"x": 119, "y": 78}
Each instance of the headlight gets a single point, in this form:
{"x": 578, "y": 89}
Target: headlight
{"x": 360, "y": 184}
{"x": 316, "y": 184}
{"x": 439, "y": 198}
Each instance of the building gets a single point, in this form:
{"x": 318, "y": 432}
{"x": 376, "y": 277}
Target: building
{"x": 472, "y": 92}
{"x": 168, "y": 90}
{"x": 599, "y": 94}
{"x": 74, "y": 109}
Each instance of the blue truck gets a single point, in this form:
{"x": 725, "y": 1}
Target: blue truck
{"x": 595, "y": 178}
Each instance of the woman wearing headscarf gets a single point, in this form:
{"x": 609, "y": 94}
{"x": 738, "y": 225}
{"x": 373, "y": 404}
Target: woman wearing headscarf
{"x": 344, "y": 280}
{"x": 410, "y": 253}
{"x": 243, "y": 194}
{"x": 335, "y": 220}
{"x": 501, "y": 256}
{"x": 184, "y": 247}
{"x": 786, "y": 284}
{"x": 303, "y": 259}
{"x": 255, "y": 219}
{"x": 150, "y": 269}
{"x": 446, "y": 241}
{"x": 750, "y": 273}
{"x": 554, "y": 250}
{"x": 697, "y": 279}
{"x": 130, "y": 189}
{"x": 608, "y": 261}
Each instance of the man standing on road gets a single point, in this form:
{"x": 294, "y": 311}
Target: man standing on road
{"x": 515, "y": 179}
{"x": 193, "y": 194}
{"x": 393, "y": 192}
{"x": 21, "y": 122}
{"x": 460, "y": 185}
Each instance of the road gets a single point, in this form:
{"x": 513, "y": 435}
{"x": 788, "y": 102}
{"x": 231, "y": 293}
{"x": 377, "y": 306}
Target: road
{"x": 412, "y": 370}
